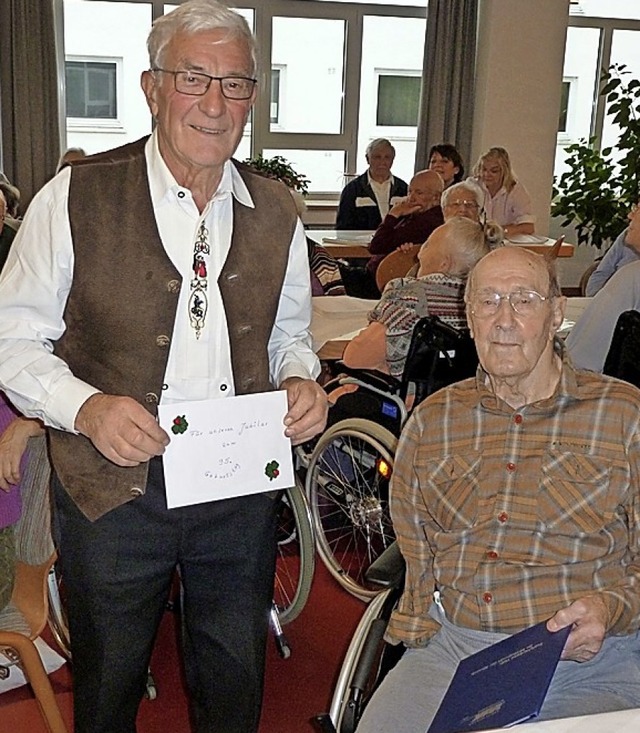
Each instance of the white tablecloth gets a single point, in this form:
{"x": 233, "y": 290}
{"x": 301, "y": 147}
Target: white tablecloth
{"x": 338, "y": 317}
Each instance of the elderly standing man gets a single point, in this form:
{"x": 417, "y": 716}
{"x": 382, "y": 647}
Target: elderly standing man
{"x": 365, "y": 201}
{"x": 516, "y": 499}
{"x": 133, "y": 267}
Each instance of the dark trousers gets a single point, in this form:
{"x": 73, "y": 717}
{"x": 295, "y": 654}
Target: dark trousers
{"x": 117, "y": 573}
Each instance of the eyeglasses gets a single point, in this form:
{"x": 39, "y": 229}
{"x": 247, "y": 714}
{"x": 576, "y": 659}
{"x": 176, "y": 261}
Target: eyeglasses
{"x": 197, "y": 84}
{"x": 462, "y": 205}
{"x": 524, "y": 302}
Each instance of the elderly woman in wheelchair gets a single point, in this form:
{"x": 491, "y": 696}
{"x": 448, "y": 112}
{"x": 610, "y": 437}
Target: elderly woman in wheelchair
{"x": 416, "y": 342}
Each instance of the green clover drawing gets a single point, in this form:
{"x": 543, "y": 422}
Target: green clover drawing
{"x": 180, "y": 424}
{"x": 272, "y": 470}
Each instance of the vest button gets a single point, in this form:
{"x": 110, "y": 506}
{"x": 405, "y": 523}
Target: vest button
{"x": 136, "y": 491}
{"x": 173, "y": 286}
{"x": 162, "y": 340}
{"x": 248, "y": 382}
{"x": 151, "y": 398}
{"x": 232, "y": 276}
{"x": 244, "y": 329}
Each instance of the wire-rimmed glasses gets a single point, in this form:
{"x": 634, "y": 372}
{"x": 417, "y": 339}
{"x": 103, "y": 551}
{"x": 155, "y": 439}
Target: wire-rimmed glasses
{"x": 196, "y": 84}
{"x": 486, "y": 303}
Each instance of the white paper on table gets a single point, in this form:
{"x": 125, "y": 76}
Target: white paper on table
{"x": 226, "y": 447}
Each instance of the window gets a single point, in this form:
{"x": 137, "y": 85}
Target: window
{"x": 274, "y": 110}
{"x": 398, "y": 100}
{"x": 91, "y": 89}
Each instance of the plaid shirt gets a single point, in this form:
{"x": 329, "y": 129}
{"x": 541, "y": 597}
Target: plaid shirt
{"x": 514, "y": 514}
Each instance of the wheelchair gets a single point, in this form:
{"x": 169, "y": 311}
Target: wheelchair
{"x": 348, "y": 469}
{"x": 368, "y": 657}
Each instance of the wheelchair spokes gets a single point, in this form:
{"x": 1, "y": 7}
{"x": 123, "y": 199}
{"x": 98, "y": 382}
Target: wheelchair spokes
{"x": 348, "y": 487}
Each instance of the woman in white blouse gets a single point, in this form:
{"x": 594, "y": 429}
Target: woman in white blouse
{"x": 506, "y": 200}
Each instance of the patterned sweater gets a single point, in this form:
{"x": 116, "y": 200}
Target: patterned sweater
{"x": 406, "y": 300}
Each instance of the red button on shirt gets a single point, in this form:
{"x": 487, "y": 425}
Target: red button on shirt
{"x": 502, "y": 517}
{"x": 517, "y": 419}
{"x": 511, "y": 466}
{"x": 487, "y": 597}
{"x": 492, "y": 554}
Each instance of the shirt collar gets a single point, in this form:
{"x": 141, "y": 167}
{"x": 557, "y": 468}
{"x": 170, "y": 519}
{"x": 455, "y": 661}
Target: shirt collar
{"x": 164, "y": 187}
{"x": 566, "y": 391}
{"x": 384, "y": 183}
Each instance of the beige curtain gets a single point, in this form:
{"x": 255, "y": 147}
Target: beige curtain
{"x": 446, "y": 103}
{"x": 28, "y": 94}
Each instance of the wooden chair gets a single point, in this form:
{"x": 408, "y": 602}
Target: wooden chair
{"x": 396, "y": 264}
{"x": 26, "y": 615}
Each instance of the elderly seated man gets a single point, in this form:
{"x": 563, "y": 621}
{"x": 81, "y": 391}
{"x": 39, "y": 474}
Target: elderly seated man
{"x": 365, "y": 201}
{"x": 625, "y": 250}
{"x": 515, "y": 495}
{"x": 411, "y": 220}
{"x": 445, "y": 259}
{"x": 590, "y": 339}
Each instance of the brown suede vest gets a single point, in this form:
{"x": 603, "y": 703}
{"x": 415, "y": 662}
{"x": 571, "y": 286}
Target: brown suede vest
{"x": 121, "y": 309}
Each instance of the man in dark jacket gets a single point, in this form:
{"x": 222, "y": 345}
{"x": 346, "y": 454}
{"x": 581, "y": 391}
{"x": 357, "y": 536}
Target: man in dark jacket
{"x": 366, "y": 200}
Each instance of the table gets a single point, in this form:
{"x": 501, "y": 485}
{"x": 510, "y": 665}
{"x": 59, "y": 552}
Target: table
{"x": 352, "y": 244}
{"x": 533, "y": 244}
{"x": 335, "y": 320}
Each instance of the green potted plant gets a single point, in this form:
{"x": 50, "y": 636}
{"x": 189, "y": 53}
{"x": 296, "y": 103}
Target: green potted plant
{"x": 597, "y": 190}
{"x": 279, "y": 168}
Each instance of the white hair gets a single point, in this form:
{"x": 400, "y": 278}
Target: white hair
{"x": 196, "y": 16}
{"x": 457, "y": 188}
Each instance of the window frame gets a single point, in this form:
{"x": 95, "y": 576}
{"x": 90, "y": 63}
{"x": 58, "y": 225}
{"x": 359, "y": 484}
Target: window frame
{"x": 98, "y": 124}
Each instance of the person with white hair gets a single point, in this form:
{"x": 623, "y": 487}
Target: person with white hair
{"x": 162, "y": 272}
{"x": 365, "y": 201}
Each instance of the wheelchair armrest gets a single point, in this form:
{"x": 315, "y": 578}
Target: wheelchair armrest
{"x": 370, "y": 376}
{"x": 387, "y": 570}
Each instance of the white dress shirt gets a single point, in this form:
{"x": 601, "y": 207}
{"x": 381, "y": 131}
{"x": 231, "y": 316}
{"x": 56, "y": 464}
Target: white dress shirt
{"x": 37, "y": 277}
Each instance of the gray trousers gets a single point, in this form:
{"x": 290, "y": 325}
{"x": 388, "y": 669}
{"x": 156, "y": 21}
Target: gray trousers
{"x": 409, "y": 696}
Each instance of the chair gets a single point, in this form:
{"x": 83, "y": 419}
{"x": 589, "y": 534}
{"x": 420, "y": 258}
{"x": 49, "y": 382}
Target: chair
{"x": 26, "y": 615}
{"x": 350, "y": 467}
{"x": 623, "y": 358}
{"x": 396, "y": 264}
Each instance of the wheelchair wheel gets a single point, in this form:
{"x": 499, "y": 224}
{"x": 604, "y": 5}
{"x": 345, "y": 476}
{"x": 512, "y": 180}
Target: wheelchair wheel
{"x": 360, "y": 667}
{"x": 295, "y": 561}
{"x": 57, "y": 614}
{"x": 347, "y": 484}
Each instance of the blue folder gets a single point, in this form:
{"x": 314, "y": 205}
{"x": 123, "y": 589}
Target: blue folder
{"x": 503, "y": 684}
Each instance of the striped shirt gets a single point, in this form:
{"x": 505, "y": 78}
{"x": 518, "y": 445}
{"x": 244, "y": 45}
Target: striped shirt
{"x": 514, "y": 514}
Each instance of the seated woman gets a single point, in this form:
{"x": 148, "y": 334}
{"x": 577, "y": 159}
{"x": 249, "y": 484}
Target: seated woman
{"x": 506, "y": 200}
{"x": 624, "y": 250}
{"x": 15, "y": 432}
{"x": 447, "y": 161}
{"x": 445, "y": 260}
{"x": 465, "y": 198}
